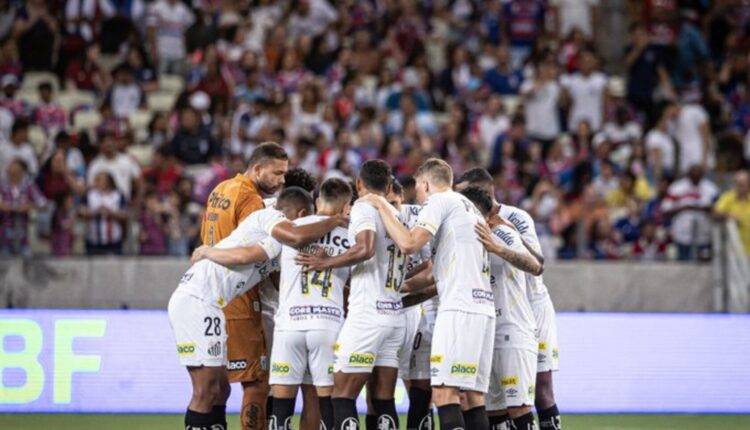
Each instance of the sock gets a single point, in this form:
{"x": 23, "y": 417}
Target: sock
{"x": 451, "y": 417}
{"x": 345, "y": 414}
{"x": 269, "y": 407}
{"x": 198, "y": 421}
{"x": 476, "y": 418}
{"x": 220, "y": 413}
{"x": 386, "y": 413}
{"x": 499, "y": 422}
{"x": 524, "y": 422}
{"x": 326, "y": 412}
{"x": 280, "y": 417}
{"x": 549, "y": 419}
{"x": 420, "y": 412}
{"x": 371, "y": 422}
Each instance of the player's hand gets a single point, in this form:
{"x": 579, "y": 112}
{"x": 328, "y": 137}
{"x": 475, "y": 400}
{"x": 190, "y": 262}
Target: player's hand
{"x": 312, "y": 261}
{"x": 485, "y": 236}
{"x": 199, "y": 254}
{"x": 373, "y": 199}
{"x": 341, "y": 220}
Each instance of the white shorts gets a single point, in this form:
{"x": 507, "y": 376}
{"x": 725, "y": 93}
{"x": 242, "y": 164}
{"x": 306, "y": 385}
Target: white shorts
{"x": 199, "y": 330}
{"x": 412, "y": 315}
{"x": 362, "y": 345}
{"x": 546, "y": 323}
{"x": 462, "y": 350}
{"x": 421, "y": 346}
{"x": 297, "y": 352}
{"x": 513, "y": 378}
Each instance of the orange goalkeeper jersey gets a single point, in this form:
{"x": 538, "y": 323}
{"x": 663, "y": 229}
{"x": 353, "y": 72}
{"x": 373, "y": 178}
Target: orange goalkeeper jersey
{"x": 228, "y": 204}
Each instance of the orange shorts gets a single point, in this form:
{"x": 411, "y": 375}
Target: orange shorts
{"x": 247, "y": 354}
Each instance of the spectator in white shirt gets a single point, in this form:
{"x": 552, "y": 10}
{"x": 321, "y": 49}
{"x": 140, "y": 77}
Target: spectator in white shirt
{"x": 541, "y": 100}
{"x": 690, "y": 129}
{"x": 586, "y": 88}
{"x": 124, "y": 169}
{"x": 660, "y": 146}
{"x": 689, "y": 201}
{"x": 168, "y": 20}
{"x": 126, "y": 96}
{"x": 491, "y": 124}
{"x": 572, "y": 14}
{"x": 311, "y": 17}
{"x": 18, "y": 147}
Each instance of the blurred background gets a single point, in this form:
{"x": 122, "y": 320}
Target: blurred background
{"x": 622, "y": 126}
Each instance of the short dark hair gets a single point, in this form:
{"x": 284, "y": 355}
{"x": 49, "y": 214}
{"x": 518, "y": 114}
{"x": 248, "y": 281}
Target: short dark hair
{"x": 296, "y": 197}
{"x": 45, "y": 86}
{"x": 299, "y": 177}
{"x": 396, "y": 186}
{"x": 375, "y": 175}
{"x": 480, "y": 197}
{"x": 408, "y": 182}
{"x": 265, "y": 152}
{"x": 476, "y": 176}
{"x": 335, "y": 189}
{"x": 18, "y": 125}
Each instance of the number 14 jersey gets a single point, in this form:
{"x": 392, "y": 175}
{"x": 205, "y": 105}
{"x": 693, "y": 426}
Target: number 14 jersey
{"x": 312, "y": 300}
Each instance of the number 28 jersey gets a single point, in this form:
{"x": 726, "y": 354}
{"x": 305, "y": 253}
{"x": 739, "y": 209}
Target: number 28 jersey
{"x": 312, "y": 300}
{"x": 376, "y": 282}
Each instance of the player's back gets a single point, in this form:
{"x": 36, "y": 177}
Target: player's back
{"x": 461, "y": 265}
{"x": 515, "y": 321}
{"x": 312, "y": 300}
{"x": 229, "y": 203}
{"x": 218, "y": 284}
{"x": 376, "y": 282}
{"x": 524, "y": 224}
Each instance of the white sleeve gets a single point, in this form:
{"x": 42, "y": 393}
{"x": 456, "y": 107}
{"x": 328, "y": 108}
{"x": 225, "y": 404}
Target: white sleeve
{"x": 363, "y": 217}
{"x": 270, "y": 218}
{"x": 271, "y": 246}
{"x": 431, "y": 215}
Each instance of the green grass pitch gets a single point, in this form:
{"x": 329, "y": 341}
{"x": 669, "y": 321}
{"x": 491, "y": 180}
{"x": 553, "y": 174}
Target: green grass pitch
{"x": 171, "y": 422}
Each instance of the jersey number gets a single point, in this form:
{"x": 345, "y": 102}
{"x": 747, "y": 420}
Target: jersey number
{"x": 317, "y": 279}
{"x": 396, "y": 262}
{"x": 213, "y": 326}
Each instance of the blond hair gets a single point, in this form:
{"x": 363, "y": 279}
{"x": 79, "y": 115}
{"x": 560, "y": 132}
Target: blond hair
{"x": 437, "y": 172}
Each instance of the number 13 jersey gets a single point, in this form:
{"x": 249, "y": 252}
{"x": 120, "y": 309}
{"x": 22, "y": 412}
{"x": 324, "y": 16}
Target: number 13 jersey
{"x": 312, "y": 300}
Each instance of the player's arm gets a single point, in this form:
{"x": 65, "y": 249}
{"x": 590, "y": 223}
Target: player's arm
{"x": 521, "y": 259}
{"x": 419, "y": 281}
{"x": 297, "y": 236}
{"x": 425, "y": 265}
{"x": 538, "y": 255}
{"x": 363, "y": 249}
{"x": 496, "y": 220}
{"x": 408, "y": 241}
{"x": 417, "y": 298}
{"x": 231, "y": 256}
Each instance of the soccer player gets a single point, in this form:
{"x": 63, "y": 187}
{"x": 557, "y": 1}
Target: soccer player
{"x": 461, "y": 269}
{"x": 311, "y": 311}
{"x": 541, "y": 303}
{"x": 269, "y": 303}
{"x": 195, "y": 308}
{"x": 228, "y": 204}
{"x": 511, "y": 393}
{"x": 373, "y": 332}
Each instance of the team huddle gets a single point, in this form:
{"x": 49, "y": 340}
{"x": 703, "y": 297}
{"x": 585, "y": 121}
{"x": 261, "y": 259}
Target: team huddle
{"x": 354, "y": 289}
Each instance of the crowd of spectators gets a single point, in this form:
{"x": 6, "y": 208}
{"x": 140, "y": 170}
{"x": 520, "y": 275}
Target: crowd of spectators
{"x": 152, "y": 103}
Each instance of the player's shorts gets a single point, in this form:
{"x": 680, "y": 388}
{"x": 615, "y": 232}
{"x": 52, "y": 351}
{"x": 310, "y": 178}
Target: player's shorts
{"x": 363, "y": 345}
{"x": 295, "y": 352}
{"x": 246, "y": 346}
{"x": 199, "y": 331}
{"x": 512, "y": 379}
{"x": 421, "y": 346}
{"x": 412, "y": 316}
{"x": 544, "y": 313}
{"x": 462, "y": 350}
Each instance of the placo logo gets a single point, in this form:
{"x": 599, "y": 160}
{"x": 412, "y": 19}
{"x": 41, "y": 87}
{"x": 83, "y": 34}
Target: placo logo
{"x": 509, "y": 380}
{"x": 361, "y": 359}
{"x": 237, "y": 365}
{"x": 463, "y": 369}
{"x": 280, "y": 368}
{"x": 186, "y": 348}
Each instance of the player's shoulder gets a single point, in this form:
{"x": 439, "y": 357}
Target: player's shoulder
{"x": 362, "y": 208}
{"x": 520, "y": 219}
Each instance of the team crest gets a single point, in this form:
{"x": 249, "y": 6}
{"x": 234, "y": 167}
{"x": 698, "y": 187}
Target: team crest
{"x": 425, "y": 424}
{"x": 350, "y": 424}
{"x": 386, "y": 423}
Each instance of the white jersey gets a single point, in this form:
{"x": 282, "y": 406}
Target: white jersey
{"x": 461, "y": 266}
{"x": 409, "y": 215}
{"x": 217, "y": 284}
{"x": 524, "y": 224}
{"x": 514, "y": 324}
{"x": 312, "y": 300}
{"x": 376, "y": 282}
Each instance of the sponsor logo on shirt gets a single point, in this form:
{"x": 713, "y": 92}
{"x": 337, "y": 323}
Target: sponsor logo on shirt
{"x": 314, "y": 310}
{"x": 237, "y": 365}
{"x": 218, "y": 201}
{"x": 511, "y": 393}
{"x": 463, "y": 369}
{"x": 389, "y": 306}
{"x": 509, "y": 380}
{"x": 215, "y": 349}
{"x": 361, "y": 359}
{"x": 505, "y": 237}
{"x": 185, "y": 348}
{"x": 542, "y": 346}
{"x": 280, "y": 368}
{"x": 518, "y": 223}
{"x": 482, "y": 295}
